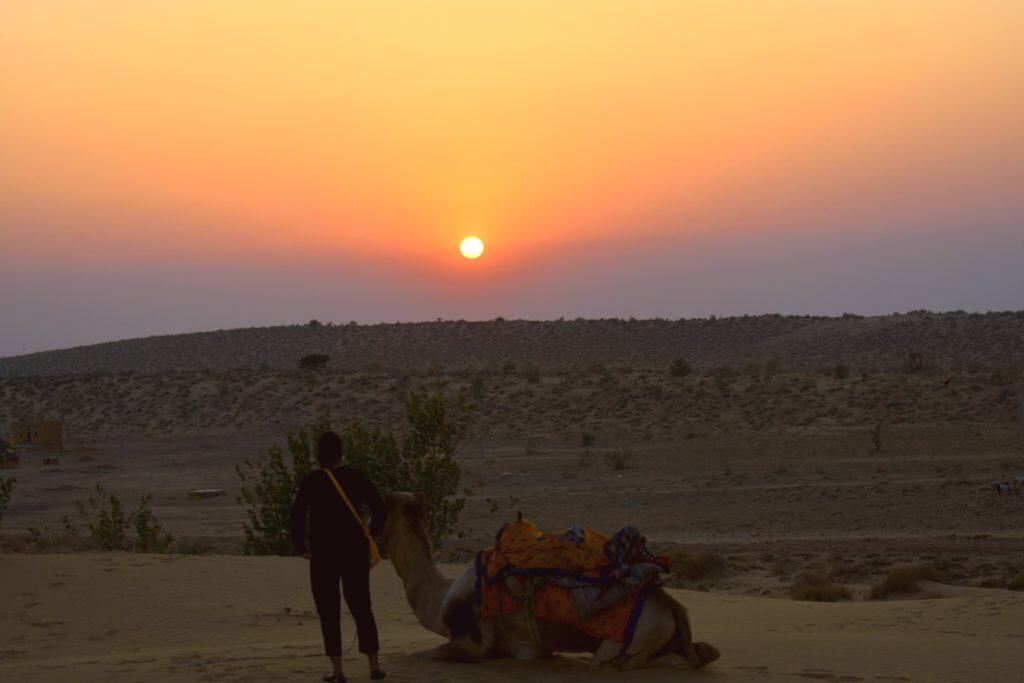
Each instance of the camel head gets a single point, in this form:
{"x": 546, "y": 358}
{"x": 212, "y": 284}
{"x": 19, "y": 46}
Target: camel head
{"x": 406, "y": 533}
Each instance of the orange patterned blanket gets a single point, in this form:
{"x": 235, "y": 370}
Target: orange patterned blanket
{"x": 564, "y": 570}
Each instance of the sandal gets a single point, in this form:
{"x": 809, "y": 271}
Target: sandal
{"x": 377, "y": 674}
{"x": 331, "y": 678}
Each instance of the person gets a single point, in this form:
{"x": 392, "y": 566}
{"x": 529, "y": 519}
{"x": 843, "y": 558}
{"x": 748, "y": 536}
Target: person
{"x": 339, "y": 550}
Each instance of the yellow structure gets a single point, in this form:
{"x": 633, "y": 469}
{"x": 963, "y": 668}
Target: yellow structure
{"x": 43, "y": 434}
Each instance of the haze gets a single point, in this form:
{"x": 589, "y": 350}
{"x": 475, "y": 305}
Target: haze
{"x": 169, "y": 167}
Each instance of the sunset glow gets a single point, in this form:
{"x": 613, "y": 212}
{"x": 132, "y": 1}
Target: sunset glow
{"x": 242, "y": 135}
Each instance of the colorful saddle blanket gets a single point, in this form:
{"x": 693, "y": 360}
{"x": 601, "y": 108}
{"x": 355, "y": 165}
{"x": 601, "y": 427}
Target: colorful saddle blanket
{"x": 579, "y": 577}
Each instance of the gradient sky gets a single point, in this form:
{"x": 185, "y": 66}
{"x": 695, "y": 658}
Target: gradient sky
{"x": 203, "y": 164}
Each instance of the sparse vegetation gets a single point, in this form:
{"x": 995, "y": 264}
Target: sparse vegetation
{"x": 818, "y": 588}
{"x": 6, "y": 488}
{"x": 905, "y": 580}
{"x": 620, "y": 459}
{"x": 841, "y": 371}
{"x": 696, "y": 565}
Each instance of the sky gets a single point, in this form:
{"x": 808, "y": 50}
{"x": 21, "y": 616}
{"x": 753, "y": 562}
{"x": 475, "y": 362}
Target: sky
{"x": 206, "y": 164}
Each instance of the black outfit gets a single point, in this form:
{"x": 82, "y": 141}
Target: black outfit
{"x": 340, "y": 551}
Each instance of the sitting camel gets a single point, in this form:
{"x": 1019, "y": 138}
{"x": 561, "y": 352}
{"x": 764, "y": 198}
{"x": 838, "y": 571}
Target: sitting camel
{"x": 448, "y": 607}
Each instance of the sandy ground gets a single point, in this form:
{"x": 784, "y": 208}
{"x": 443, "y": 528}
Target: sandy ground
{"x": 130, "y": 617}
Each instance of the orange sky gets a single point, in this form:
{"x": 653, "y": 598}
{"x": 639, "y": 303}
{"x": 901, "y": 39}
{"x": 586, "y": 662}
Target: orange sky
{"x": 246, "y": 129}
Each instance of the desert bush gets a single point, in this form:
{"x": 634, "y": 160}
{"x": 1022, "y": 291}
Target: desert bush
{"x": 695, "y": 565}
{"x": 1016, "y": 583}
{"x": 268, "y": 487}
{"x": 620, "y": 459}
{"x": 679, "y": 368}
{"x": 587, "y": 439}
{"x": 905, "y": 580}
{"x": 585, "y": 458}
{"x": 6, "y": 488}
{"x": 314, "y": 361}
{"x": 423, "y": 460}
{"x": 150, "y": 537}
{"x": 103, "y": 516}
{"x": 841, "y": 371}
{"x": 817, "y": 588}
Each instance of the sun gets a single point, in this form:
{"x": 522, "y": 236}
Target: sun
{"x": 471, "y": 247}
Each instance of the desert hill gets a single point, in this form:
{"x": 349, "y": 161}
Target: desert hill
{"x": 794, "y": 343}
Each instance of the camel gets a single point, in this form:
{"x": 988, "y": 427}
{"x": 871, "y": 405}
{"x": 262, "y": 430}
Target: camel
{"x": 448, "y": 608}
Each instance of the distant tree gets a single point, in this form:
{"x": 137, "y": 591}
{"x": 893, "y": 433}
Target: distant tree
{"x": 679, "y": 368}
{"x": 314, "y": 361}
{"x": 314, "y": 323}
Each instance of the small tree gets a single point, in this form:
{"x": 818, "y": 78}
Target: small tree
{"x": 314, "y": 361}
{"x": 268, "y": 487}
{"x": 6, "y": 487}
{"x": 422, "y": 460}
{"x": 679, "y": 368}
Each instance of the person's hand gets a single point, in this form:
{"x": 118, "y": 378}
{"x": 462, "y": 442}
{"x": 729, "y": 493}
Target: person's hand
{"x": 307, "y": 556}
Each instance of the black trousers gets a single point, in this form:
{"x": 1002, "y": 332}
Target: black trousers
{"x": 354, "y": 574}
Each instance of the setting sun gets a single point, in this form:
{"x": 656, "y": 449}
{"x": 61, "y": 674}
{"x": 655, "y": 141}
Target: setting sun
{"x": 472, "y": 247}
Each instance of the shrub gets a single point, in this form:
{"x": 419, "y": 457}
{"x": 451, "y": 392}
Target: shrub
{"x": 905, "y": 580}
{"x": 587, "y": 439}
{"x": 620, "y": 459}
{"x": 103, "y": 516}
{"x": 841, "y": 372}
{"x": 268, "y": 487}
{"x": 585, "y": 458}
{"x": 679, "y": 368}
{"x": 1016, "y": 583}
{"x": 423, "y": 460}
{"x": 6, "y": 488}
{"x": 150, "y": 536}
{"x": 817, "y": 588}
{"x": 314, "y": 361}
{"x": 696, "y": 565}
{"x": 723, "y": 376}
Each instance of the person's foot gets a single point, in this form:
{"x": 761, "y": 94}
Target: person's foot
{"x": 333, "y": 678}
{"x": 377, "y": 674}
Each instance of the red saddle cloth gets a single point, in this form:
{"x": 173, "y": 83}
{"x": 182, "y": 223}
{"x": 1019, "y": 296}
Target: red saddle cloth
{"x": 524, "y": 554}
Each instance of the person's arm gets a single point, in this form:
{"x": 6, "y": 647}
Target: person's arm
{"x": 299, "y": 509}
{"x": 373, "y": 500}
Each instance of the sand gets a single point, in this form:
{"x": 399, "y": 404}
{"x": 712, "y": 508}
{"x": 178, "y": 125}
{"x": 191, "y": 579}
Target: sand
{"x": 129, "y": 617}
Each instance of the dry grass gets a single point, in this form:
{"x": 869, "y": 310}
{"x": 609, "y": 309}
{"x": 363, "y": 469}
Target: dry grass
{"x": 905, "y": 580}
{"x": 818, "y": 588}
{"x": 696, "y": 565}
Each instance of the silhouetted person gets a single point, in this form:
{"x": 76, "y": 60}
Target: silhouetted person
{"x": 338, "y": 550}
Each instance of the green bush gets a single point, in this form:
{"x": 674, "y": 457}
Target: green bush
{"x": 6, "y": 488}
{"x": 268, "y": 487}
{"x": 422, "y": 460}
{"x": 103, "y": 516}
{"x": 150, "y": 536}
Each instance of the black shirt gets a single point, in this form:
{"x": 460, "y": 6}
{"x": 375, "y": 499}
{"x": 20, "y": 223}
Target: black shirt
{"x": 334, "y": 531}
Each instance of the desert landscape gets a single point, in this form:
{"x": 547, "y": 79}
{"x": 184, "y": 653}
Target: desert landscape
{"x": 780, "y": 463}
